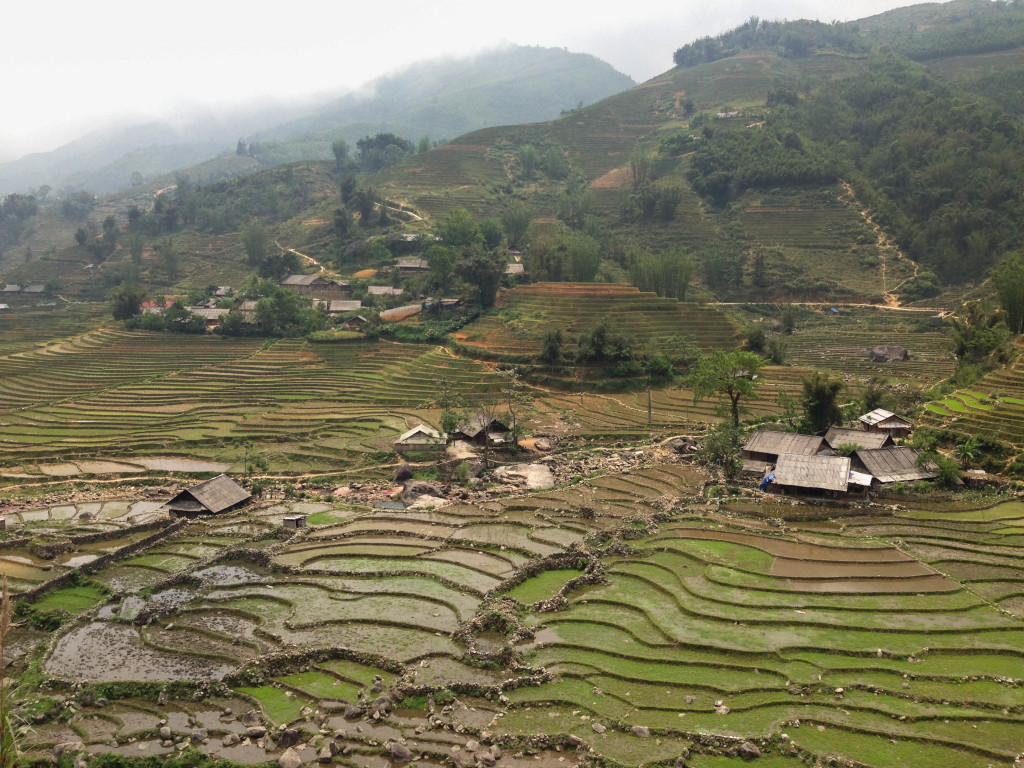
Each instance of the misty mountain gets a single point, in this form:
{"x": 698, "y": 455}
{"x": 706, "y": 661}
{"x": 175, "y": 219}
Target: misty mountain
{"x": 442, "y": 98}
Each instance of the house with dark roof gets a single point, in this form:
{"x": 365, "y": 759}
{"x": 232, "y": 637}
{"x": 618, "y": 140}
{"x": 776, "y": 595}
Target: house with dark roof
{"x": 317, "y": 287}
{"x": 482, "y": 431}
{"x": 881, "y": 420}
{"x": 211, "y": 497}
{"x": 838, "y": 436}
{"x": 894, "y": 464}
{"x": 412, "y": 266}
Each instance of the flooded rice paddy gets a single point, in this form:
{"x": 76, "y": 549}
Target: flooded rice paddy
{"x": 846, "y": 636}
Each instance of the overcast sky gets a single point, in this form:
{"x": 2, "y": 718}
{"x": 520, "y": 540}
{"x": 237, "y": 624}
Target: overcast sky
{"x": 68, "y": 66}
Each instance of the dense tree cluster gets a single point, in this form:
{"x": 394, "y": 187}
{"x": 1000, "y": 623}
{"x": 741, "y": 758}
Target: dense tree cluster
{"x": 17, "y": 218}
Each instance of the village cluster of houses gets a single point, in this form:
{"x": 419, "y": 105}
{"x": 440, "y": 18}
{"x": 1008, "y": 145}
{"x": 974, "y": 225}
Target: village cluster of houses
{"x": 792, "y": 463}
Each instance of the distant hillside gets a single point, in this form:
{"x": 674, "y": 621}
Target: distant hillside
{"x": 442, "y": 98}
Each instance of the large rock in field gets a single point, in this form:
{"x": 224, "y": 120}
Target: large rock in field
{"x": 413, "y": 489}
{"x": 403, "y": 472}
{"x": 749, "y": 751}
{"x": 289, "y": 759}
{"x": 399, "y": 752}
{"x": 888, "y": 353}
{"x": 533, "y": 476}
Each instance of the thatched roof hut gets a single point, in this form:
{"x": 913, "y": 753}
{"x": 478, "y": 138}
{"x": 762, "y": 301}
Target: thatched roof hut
{"x": 895, "y": 464}
{"x": 823, "y": 473}
{"x": 210, "y": 497}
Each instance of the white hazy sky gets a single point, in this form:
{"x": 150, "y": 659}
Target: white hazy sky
{"x": 67, "y": 66}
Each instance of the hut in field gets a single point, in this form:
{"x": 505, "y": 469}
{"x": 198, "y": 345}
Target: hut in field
{"x": 838, "y": 436}
{"x": 895, "y": 464}
{"x": 480, "y": 430}
{"x": 881, "y": 420}
{"x": 419, "y": 438}
{"x": 211, "y": 497}
{"x": 801, "y": 473}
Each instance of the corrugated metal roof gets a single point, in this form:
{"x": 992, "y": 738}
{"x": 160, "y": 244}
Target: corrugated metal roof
{"x": 344, "y": 305}
{"x": 383, "y": 290}
{"x": 215, "y": 495}
{"x": 827, "y": 473}
{"x": 860, "y": 437}
{"x": 767, "y": 441}
{"x": 896, "y": 464}
{"x": 300, "y": 280}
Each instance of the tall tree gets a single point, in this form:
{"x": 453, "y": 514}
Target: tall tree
{"x": 821, "y": 401}
{"x": 459, "y": 229}
{"x": 483, "y": 270}
{"x": 529, "y": 159}
{"x": 516, "y": 221}
{"x": 254, "y": 240}
{"x": 1008, "y": 279}
{"x": 733, "y": 374}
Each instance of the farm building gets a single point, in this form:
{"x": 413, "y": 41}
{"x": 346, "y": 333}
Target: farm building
{"x": 895, "y": 464}
{"x": 481, "y": 431}
{"x": 317, "y": 287}
{"x": 212, "y": 315}
{"x": 412, "y": 266}
{"x": 383, "y": 290}
{"x": 419, "y": 438}
{"x": 837, "y": 436}
{"x": 766, "y": 445}
{"x": 799, "y": 473}
{"x": 339, "y": 306}
{"x": 356, "y": 323}
{"x": 210, "y": 497}
{"x": 881, "y": 420}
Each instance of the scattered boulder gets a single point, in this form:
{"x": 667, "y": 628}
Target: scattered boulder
{"x": 256, "y": 731}
{"x": 289, "y": 738}
{"x": 533, "y": 476}
{"x": 888, "y": 353}
{"x": 165, "y": 732}
{"x": 403, "y": 472}
{"x": 413, "y": 489}
{"x": 598, "y": 728}
{"x": 542, "y": 444}
{"x": 398, "y": 752}
{"x": 324, "y": 755}
{"x": 683, "y": 445}
{"x": 289, "y": 759}
{"x": 352, "y": 712}
{"x": 640, "y": 730}
{"x": 749, "y": 751}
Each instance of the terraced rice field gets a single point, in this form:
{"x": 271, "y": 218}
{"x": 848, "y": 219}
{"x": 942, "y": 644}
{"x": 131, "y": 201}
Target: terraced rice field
{"x": 710, "y": 627}
{"x": 204, "y": 397}
{"x": 529, "y": 312}
{"x": 993, "y": 406}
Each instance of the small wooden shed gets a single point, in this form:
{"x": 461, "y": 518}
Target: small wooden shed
{"x": 211, "y": 497}
{"x": 881, "y": 420}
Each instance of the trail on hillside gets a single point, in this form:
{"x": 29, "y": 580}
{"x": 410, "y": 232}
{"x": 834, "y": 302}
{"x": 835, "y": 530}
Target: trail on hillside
{"x": 885, "y": 245}
{"x": 309, "y": 259}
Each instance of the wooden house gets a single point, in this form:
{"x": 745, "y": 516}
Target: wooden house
{"x": 894, "y": 464}
{"x": 803, "y": 473}
{"x": 212, "y": 497}
{"x": 838, "y": 436}
{"x": 766, "y": 446}
{"x": 419, "y": 438}
{"x": 412, "y": 266}
{"x": 383, "y": 290}
{"x": 481, "y": 431}
{"x": 317, "y": 287}
{"x": 881, "y": 420}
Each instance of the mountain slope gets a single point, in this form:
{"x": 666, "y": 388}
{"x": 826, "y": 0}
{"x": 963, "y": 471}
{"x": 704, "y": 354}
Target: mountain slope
{"x": 441, "y": 98}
